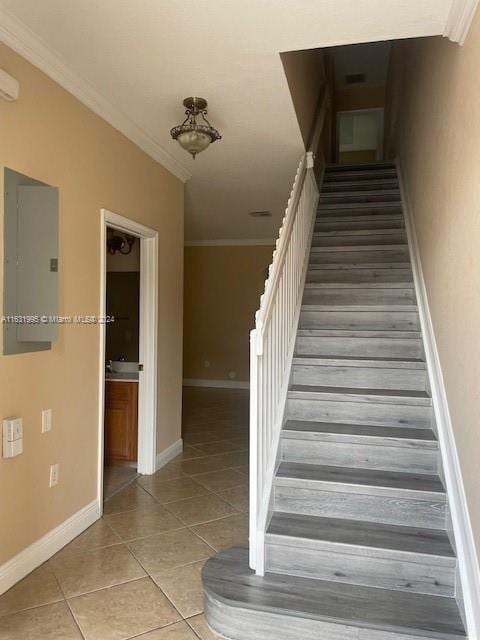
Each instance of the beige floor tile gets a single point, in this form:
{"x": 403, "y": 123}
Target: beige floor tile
{"x": 218, "y": 480}
{"x": 95, "y": 537}
{"x": 214, "y": 463}
{"x": 38, "y": 588}
{"x": 200, "y": 509}
{"x": 196, "y": 438}
{"x": 183, "y": 586}
{"x": 52, "y": 622}
{"x": 189, "y": 453}
{"x": 225, "y": 533}
{"x": 237, "y": 496}
{"x": 170, "y": 471}
{"x": 123, "y": 611}
{"x": 225, "y": 446}
{"x": 200, "y": 626}
{"x": 178, "y": 489}
{"x": 133, "y": 497}
{"x": 177, "y": 631}
{"x": 80, "y": 573}
{"x": 143, "y": 522}
{"x": 169, "y": 550}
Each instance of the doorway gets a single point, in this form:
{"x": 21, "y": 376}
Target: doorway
{"x": 360, "y": 136}
{"x": 128, "y": 337}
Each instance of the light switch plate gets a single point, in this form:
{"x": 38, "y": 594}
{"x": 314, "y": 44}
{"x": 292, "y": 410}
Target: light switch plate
{"x": 54, "y": 471}
{"x": 46, "y": 420}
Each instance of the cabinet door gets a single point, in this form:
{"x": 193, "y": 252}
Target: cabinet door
{"x": 121, "y": 426}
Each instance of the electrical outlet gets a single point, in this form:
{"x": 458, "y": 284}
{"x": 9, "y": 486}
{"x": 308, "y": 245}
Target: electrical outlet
{"x": 46, "y": 420}
{"x": 54, "y": 470}
{"x": 206, "y": 364}
{"x": 232, "y": 375}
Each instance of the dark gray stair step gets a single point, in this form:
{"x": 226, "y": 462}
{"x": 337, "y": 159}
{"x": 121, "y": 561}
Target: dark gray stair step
{"x": 359, "y": 175}
{"x": 369, "y": 254}
{"x": 372, "y": 344}
{"x": 297, "y": 528}
{"x": 351, "y": 239}
{"x": 355, "y": 197}
{"x": 365, "y": 553}
{"x": 360, "y": 446}
{"x": 363, "y": 296}
{"x": 403, "y": 318}
{"x": 350, "y": 394}
{"x": 360, "y": 185}
{"x": 345, "y": 277}
{"x": 354, "y": 433}
{"x": 395, "y": 222}
{"x": 360, "y": 266}
{"x": 359, "y": 209}
{"x": 386, "y": 482}
{"x": 319, "y": 284}
{"x": 357, "y": 166}
{"x": 289, "y": 607}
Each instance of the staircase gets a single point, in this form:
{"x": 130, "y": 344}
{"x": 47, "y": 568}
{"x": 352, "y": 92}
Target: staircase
{"x": 357, "y": 544}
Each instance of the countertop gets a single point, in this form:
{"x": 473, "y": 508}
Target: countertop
{"x": 121, "y": 376}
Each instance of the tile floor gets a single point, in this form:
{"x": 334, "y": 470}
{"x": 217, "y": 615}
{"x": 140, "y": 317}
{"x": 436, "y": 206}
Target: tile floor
{"x": 136, "y": 572}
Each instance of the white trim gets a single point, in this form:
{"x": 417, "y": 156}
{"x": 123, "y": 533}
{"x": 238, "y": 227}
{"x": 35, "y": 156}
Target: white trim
{"x": 168, "y": 454}
{"x": 41, "y": 550}
{"x": 460, "y": 19}
{"x": 264, "y": 242}
{"x": 147, "y": 381}
{"x": 381, "y": 112}
{"x": 217, "y": 384}
{"x": 21, "y": 39}
{"x": 465, "y": 544}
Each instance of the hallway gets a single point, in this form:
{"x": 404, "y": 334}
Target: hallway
{"x": 136, "y": 572}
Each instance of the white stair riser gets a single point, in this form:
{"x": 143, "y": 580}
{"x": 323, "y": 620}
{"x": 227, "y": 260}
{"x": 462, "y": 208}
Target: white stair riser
{"x": 368, "y": 413}
{"x": 355, "y": 505}
{"x": 362, "y": 347}
{"x": 376, "y": 256}
{"x": 331, "y": 563}
{"x": 360, "y": 377}
{"x": 359, "y": 276}
{"x": 364, "y": 456}
{"x": 359, "y": 296}
{"x": 360, "y": 320}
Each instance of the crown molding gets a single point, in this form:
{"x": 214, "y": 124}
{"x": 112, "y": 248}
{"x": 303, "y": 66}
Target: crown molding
{"x": 263, "y": 242}
{"x": 23, "y": 41}
{"x": 459, "y": 20}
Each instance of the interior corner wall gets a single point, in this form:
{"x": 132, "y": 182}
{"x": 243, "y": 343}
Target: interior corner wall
{"x": 305, "y": 73}
{"x": 223, "y": 285}
{"x": 49, "y": 135}
{"x": 433, "y": 125}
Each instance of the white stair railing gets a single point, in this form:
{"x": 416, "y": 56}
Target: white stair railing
{"x": 272, "y": 341}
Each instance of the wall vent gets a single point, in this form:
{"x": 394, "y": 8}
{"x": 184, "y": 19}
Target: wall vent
{"x": 260, "y": 214}
{"x": 355, "y": 78}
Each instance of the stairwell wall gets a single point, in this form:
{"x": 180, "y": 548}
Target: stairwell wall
{"x": 433, "y": 127}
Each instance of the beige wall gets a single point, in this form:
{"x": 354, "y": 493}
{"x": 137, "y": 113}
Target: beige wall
{"x": 222, "y": 292}
{"x": 51, "y": 136}
{"x": 434, "y": 105}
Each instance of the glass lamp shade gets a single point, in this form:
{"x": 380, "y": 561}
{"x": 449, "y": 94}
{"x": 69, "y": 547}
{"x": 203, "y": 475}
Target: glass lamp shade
{"x": 194, "y": 141}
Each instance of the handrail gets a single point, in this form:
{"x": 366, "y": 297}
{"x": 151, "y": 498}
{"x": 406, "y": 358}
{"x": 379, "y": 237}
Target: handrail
{"x": 273, "y": 338}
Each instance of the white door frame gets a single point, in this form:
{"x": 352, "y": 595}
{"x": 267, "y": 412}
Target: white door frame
{"x": 147, "y": 382}
{"x": 380, "y": 111}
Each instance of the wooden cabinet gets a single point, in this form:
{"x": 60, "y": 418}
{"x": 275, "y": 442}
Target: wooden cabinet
{"x": 121, "y": 420}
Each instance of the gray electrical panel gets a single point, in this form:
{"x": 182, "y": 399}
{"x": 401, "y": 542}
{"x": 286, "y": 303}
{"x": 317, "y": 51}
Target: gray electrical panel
{"x": 30, "y": 264}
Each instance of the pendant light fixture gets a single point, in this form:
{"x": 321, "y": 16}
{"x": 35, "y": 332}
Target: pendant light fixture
{"x": 190, "y": 135}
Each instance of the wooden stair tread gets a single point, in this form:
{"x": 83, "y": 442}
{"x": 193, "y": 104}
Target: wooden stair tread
{"x": 349, "y": 361}
{"x": 359, "y": 477}
{"x": 228, "y": 578}
{"x": 360, "y": 333}
{"x": 432, "y": 542}
{"x": 352, "y": 394}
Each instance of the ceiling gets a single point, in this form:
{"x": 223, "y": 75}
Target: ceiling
{"x": 370, "y": 59}
{"x": 133, "y": 61}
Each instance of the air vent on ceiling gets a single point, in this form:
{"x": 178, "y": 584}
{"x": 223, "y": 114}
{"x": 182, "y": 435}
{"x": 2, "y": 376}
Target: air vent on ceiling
{"x": 355, "y": 78}
{"x": 260, "y": 214}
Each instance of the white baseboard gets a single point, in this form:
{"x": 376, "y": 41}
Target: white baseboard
{"x": 168, "y": 454}
{"x": 41, "y": 550}
{"x": 218, "y": 384}
{"x": 465, "y": 544}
